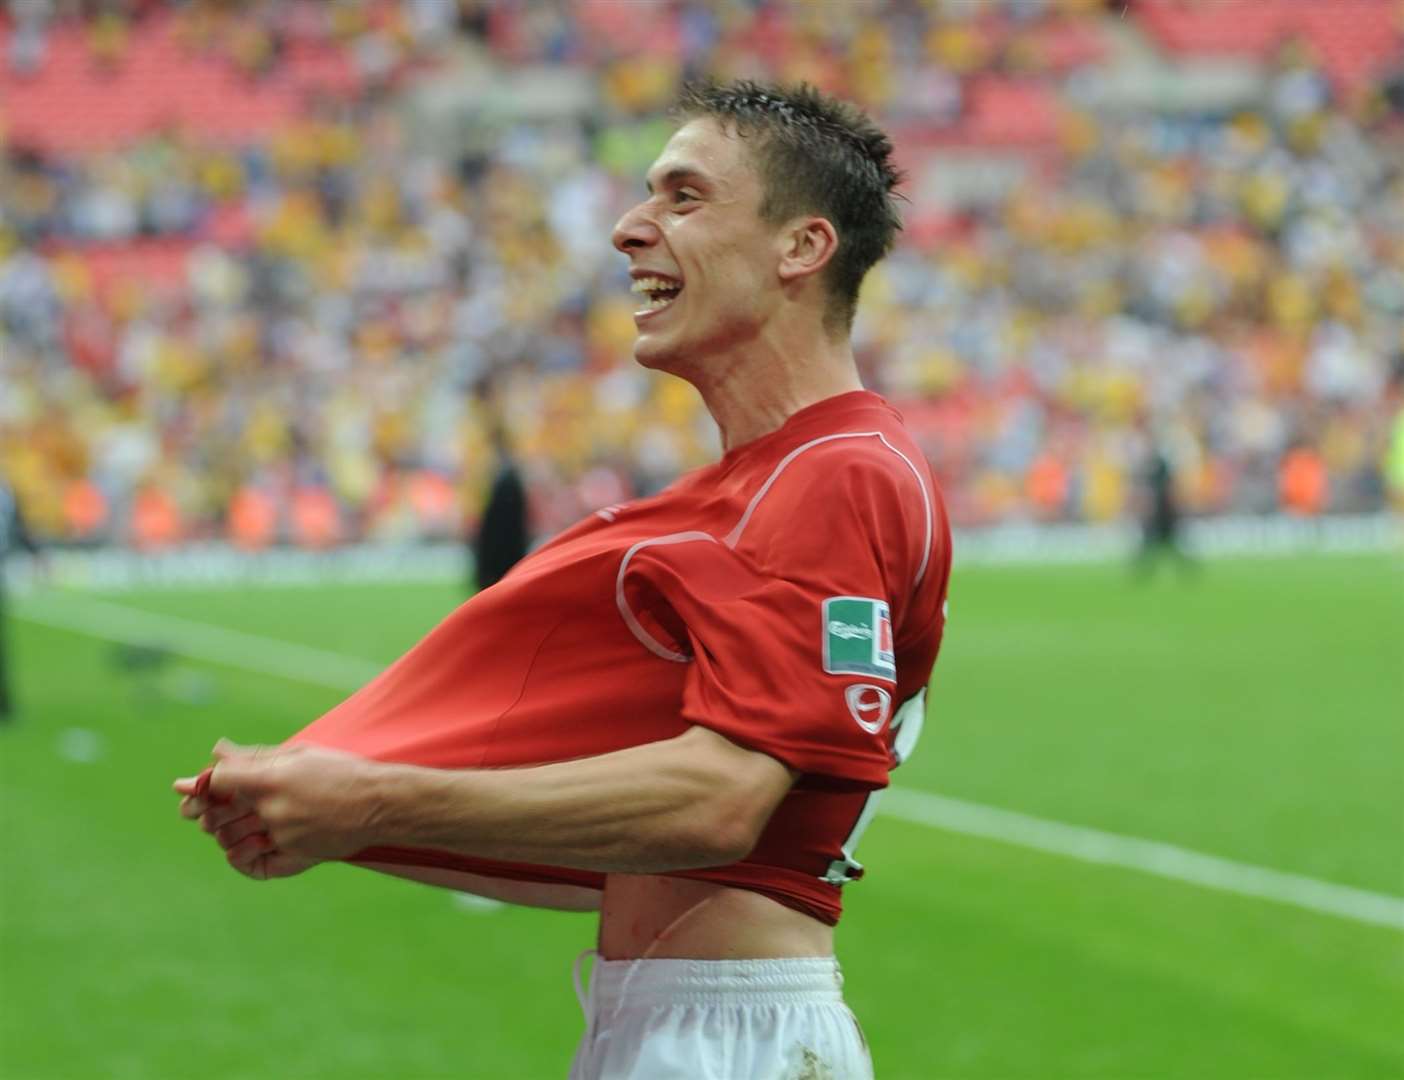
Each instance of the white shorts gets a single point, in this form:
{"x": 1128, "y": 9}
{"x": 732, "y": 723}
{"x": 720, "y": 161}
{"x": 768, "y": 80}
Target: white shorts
{"x": 718, "y": 1020}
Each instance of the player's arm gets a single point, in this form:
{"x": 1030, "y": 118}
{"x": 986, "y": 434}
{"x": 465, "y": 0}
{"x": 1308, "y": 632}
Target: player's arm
{"x": 232, "y": 822}
{"x": 695, "y": 800}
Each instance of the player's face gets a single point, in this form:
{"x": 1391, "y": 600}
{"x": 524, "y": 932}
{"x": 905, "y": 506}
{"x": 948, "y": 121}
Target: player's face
{"x": 703, "y": 263}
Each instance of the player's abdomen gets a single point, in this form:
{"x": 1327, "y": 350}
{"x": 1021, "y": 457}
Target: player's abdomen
{"x": 655, "y": 916}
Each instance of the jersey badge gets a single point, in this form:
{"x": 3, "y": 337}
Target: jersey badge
{"x": 869, "y": 705}
{"x": 858, "y": 637}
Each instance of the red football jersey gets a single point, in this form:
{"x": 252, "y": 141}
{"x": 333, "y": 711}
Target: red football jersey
{"x": 790, "y": 597}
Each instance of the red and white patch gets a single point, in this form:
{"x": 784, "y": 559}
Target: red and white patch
{"x": 869, "y": 705}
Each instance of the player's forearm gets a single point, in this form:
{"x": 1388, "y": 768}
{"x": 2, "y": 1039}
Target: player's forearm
{"x": 648, "y": 809}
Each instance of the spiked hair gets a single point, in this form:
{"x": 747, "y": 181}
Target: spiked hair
{"x": 815, "y": 155}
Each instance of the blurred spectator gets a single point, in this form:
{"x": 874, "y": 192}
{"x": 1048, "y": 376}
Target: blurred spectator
{"x": 1302, "y": 482}
{"x": 14, "y": 534}
{"x": 28, "y": 34}
{"x": 268, "y": 337}
{"x": 1159, "y": 509}
{"x": 502, "y": 538}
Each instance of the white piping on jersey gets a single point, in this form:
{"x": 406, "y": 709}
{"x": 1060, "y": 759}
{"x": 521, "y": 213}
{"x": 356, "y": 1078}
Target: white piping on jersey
{"x": 926, "y": 502}
{"x": 656, "y": 647}
{"x": 734, "y": 537}
{"x": 651, "y": 643}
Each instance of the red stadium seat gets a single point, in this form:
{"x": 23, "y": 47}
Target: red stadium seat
{"x": 1354, "y": 38}
{"x": 146, "y": 261}
{"x": 69, "y": 105}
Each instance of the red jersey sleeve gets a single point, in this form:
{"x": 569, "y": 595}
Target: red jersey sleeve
{"x": 808, "y": 625}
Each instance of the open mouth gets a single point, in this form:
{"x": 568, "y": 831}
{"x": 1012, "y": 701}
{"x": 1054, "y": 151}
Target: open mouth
{"x": 658, "y": 291}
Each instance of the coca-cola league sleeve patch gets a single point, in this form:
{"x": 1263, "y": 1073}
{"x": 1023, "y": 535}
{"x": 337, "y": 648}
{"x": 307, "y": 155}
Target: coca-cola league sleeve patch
{"x": 858, "y": 637}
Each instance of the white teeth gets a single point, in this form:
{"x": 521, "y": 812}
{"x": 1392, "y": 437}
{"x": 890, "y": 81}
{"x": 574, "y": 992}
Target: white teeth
{"x": 653, "y": 284}
{"x": 659, "y": 292}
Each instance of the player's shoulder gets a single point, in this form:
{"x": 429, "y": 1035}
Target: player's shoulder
{"x": 878, "y": 458}
{"x": 850, "y": 481}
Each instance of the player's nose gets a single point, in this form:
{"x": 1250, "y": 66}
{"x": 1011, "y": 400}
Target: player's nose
{"x": 635, "y": 231}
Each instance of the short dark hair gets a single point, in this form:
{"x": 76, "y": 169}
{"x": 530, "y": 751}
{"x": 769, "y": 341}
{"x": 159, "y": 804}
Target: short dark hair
{"x": 816, "y": 155}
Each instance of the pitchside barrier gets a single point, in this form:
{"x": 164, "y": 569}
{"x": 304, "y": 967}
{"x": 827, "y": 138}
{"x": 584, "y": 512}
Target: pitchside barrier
{"x": 218, "y": 564}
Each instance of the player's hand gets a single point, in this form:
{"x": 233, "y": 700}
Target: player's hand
{"x": 302, "y": 802}
{"x": 238, "y": 829}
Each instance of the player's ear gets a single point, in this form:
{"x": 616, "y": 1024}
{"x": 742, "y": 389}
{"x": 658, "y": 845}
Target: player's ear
{"x": 807, "y": 246}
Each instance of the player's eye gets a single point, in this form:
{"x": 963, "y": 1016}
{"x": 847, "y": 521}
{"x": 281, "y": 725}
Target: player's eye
{"x": 683, "y": 195}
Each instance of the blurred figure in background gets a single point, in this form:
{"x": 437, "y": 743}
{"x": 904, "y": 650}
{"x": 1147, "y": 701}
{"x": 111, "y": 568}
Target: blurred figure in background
{"x": 1159, "y": 511}
{"x": 1302, "y": 481}
{"x": 1395, "y": 462}
{"x": 13, "y": 534}
{"x": 502, "y": 538}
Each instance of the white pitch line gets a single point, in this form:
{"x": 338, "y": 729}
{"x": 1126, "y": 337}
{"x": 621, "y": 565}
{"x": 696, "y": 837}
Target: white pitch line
{"x": 200, "y": 641}
{"x": 301, "y": 663}
{"x": 1149, "y": 856}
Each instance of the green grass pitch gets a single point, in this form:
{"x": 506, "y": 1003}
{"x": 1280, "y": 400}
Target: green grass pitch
{"x": 1255, "y": 712}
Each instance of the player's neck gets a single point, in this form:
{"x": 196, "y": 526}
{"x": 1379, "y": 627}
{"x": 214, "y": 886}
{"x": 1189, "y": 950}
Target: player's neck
{"x": 754, "y": 394}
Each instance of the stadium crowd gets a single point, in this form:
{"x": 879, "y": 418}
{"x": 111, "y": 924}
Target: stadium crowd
{"x": 299, "y": 336}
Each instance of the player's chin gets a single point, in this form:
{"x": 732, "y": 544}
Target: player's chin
{"x": 654, "y": 353}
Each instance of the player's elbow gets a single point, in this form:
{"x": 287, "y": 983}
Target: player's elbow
{"x": 732, "y": 794}
{"x": 713, "y": 837}
{"x": 729, "y": 826}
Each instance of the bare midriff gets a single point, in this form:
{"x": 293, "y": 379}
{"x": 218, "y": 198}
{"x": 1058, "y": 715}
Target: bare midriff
{"x": 647, "y": 916}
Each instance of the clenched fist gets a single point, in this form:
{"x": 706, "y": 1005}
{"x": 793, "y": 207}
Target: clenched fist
{"x": 277, "y": 811}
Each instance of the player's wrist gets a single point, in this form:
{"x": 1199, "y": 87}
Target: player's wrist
{"x": 409, "y": 805}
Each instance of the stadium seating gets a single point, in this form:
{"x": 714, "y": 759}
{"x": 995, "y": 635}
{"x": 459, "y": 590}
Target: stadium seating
{"x": 270, "y": 300}
{"x": 1354, "y": 39}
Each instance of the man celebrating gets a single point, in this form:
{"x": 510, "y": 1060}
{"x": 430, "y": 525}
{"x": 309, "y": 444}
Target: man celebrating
{"x": 680, "y": 710}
